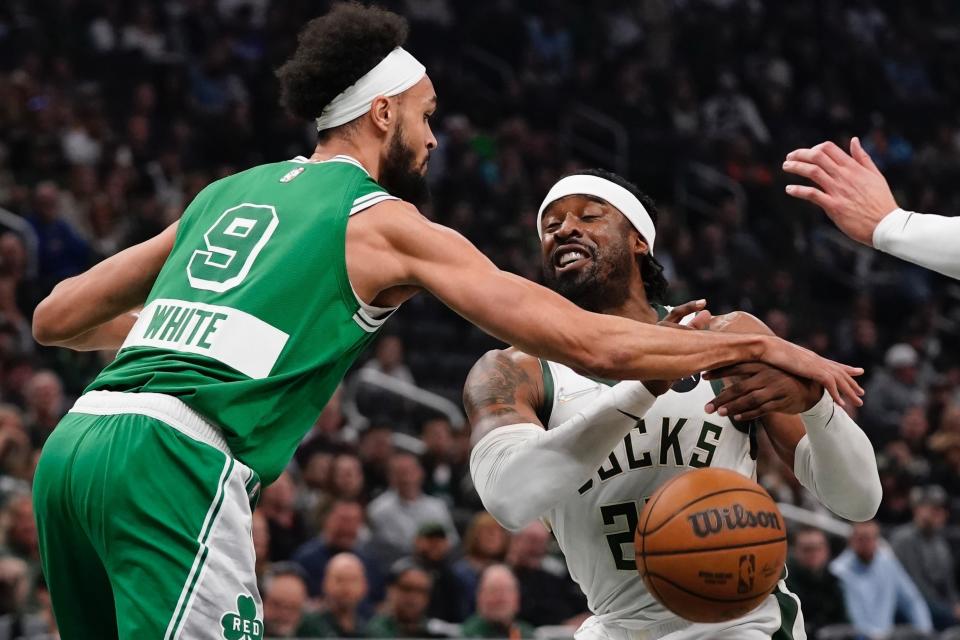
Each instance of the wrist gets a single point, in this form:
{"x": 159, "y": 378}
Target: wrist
{"x": 821, "y": 411}
{"x": 888, "y": 226}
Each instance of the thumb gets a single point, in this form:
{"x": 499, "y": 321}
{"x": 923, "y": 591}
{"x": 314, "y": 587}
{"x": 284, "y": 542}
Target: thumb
{"x": 860, "y": 155}
{"x": 701, "y": 320}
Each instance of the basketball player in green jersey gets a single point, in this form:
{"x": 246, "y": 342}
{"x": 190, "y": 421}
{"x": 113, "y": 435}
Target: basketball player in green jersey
{"x": 253, "y": 307}
{"x": 582, "y": 454}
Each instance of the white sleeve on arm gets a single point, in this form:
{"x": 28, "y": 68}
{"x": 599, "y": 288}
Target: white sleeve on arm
{"x": 521, "y": 470}
{"x": 835, "y": 460}
{"x": 928, "y": 240}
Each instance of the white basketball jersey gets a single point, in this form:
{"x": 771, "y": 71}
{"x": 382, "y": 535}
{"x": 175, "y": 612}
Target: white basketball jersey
{"x": 595, "y": 526}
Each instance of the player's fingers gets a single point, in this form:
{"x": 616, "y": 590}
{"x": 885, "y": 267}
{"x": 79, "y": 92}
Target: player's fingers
{"x": 681, "y": 311}
{"x": 745, "y": 402}
{"x": 815, "y": 156}
{"x": 734, "y": 393}
{"x": 851, "y": 390}
{"x": 861, "y": 156}
{"x": 810, "y": 194}
{"x": 809, "y": 171}
{"x": 701, "y": 320}
{"x": 771, "y": 406}
{"x": 734, "y": 370}
{"x": 830, "y": 384}
{"x": 835, "y": 153}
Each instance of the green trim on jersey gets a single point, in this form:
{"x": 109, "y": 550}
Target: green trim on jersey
{"x": 789, "y": 610}
{"x": 546, "y": 408}
{"x": 252, "y": 321}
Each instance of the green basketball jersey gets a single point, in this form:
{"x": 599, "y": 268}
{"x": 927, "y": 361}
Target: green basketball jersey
{"x": 252, "y": 321}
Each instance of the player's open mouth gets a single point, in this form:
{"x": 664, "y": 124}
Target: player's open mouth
{"x": 571, "y": 257}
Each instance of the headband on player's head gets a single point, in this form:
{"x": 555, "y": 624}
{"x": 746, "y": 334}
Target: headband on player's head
{"x": 626, "y": 202}
{"x": 394, "y": 74}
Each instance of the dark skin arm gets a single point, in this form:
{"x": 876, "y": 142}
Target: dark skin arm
{"x": 756, "y": 390}
{"x": 392, "y": 248}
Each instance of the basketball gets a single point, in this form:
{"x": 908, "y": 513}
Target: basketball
{"x": 711, "y": 545}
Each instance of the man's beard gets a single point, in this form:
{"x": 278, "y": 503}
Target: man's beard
{"x": 601, "y": 285}
{"x": 399, "y": 175}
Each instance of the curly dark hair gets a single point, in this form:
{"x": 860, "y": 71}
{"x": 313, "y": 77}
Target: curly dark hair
{"x": 654, "y": 282}
{"x": 334, "y": 51}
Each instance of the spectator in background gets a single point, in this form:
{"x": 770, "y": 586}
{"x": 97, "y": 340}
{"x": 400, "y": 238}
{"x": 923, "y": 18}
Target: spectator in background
{"x": 396, "y": 514}
{"x": 431, "y": 550}
{"x": 20, "y": 534}
{"x": 261, "y": 544}
{"x": 875, "y": 586}
{"x": 388, "y": 359}
{"x": 484, "y": 543}
{"x": 892, "y": 390}
{"x": 443, "y": 475}
{"x": 344, "y": 589}
{"x": 346, "y": 478}
{"x": 730, "y": 112}
{"x": 340, "y": 533}
{"x": 924, "y": 552}
{"x": 375, "y": 449}
{"x": 15, "y": 622}
{"x": 285, "y": 603}
{"x": 498, "y": 602}
{"x": 405, "y": 613}
{"x": 809, "y": 577}
{"x": 45, "y": 405}
{"x": 15, "y": 448}
{"x": 61, "y": 252}
{"x": 287, "y": 528}
{"x": 545, "y": 597}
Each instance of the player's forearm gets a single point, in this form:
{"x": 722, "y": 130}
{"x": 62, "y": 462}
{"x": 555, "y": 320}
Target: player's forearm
{"x": 72, "y": 315}
{"x": 835, "y": 460}
{"x": 522, "y": 471}
{"x": 108, "y": 336}
{"x": 649, "y": 352}
{"x": 543, "y": 324}
{"x": 928, "y": 240}
{"x": 115, "y": 286}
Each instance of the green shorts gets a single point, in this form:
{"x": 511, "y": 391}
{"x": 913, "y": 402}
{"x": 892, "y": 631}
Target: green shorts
{"x": 144, "y": 520}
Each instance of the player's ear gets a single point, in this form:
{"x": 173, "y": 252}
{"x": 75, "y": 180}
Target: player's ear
{"x": 638, "y": 245}
{"x": 384, "y": 112}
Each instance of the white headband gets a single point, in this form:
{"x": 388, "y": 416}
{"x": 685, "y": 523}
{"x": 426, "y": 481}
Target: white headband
{"x": 617, "y": 196}
{"x": 394, "y": 74}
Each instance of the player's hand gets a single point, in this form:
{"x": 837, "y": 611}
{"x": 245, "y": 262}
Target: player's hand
{"x": 756, "y": 389}
{"x": 852, "y": 190}
{"x": 672, "y": 319}
{"x": 835, "y": 377}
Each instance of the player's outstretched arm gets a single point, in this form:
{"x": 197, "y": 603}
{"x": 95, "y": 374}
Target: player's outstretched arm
{"x": 92, "y": 311}
{"x": 519, "y": 469}
{"x": 408, "y": 249}
{"x": 827, "y": 451}
{"x": 856, "y": 196}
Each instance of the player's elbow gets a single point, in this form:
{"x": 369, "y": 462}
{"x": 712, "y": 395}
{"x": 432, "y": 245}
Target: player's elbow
{"x": 49, "y": 328}
{"x": 504, "y": 511}
{"x": 872, "y": 497}
{"x": 866, "y": 505}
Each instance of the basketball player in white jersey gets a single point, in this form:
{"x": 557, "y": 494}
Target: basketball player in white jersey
{"x": 583, "y": 454}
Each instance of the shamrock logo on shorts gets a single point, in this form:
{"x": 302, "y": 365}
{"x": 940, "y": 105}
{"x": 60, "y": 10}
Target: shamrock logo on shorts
{"x": 242, "y": 625}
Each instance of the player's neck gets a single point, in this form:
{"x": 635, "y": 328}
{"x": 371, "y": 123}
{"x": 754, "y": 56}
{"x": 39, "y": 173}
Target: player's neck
{"x": 365, "y": 154}
{"x": 635, "y": 306}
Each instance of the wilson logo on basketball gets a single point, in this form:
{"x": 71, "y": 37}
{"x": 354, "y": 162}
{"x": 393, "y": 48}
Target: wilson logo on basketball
{"x": 711, "y": 521}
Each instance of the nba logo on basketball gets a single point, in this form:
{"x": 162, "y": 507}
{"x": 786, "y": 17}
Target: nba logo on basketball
{"x": 748, "y": 568}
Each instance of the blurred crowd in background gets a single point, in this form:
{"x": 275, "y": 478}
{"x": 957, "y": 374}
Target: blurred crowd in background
{"x": 114, "y": 114}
